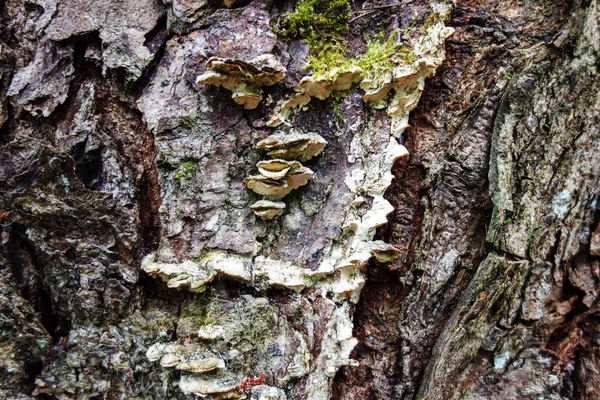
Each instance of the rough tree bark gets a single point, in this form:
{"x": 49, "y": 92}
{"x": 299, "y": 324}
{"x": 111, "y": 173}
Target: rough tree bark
{"x": 133, "y": 267}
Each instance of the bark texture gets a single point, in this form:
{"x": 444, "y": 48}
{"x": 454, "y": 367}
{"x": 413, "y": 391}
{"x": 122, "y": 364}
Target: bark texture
{"x": 133, "y": 267}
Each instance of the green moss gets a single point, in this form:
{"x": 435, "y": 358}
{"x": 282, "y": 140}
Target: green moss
{"x": 327, "y": 59}
{"x": 379, "y": 51}
{"x": 324, "y": 24}
{"x": 316, "y": 22}
{"x": 186, "y": 166}
{"x": 334, "y": 101}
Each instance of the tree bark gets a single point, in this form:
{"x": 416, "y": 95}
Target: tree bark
{"x": 453, "y": 256}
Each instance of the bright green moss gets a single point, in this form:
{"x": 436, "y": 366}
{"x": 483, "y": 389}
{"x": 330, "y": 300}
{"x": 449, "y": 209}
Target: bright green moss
{"x": 185, "y": 168}
{"x": 334, "y": 101}
{"x": 327, "y": 59}
{"x": 324, "y": 24}
{"x": 376, "y": 60}
{"x": 316, "y": 22}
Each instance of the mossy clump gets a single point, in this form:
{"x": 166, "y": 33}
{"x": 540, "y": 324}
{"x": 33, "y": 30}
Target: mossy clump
{"x": 323, "y": 25}
{"x": 185, "y": 168}
{"x": 316, "y": 22}
{"x": 379, "y": 52}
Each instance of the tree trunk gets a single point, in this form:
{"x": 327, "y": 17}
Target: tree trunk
{"x": 300, "y": 200}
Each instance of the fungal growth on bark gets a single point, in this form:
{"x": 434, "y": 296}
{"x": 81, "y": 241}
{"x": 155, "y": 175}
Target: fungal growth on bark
{"x": 289, "y": 146}
{"x": 215, "y": 199}
{"x": 325, "y": 236}
{"x": 278, "y": 177}
{"x": 243, "y": 78}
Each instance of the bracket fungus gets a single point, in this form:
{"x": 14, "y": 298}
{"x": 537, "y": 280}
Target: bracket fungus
{"x": 267, "y": 209}
{"x": 243, "y": 78}
{"x": 279, "y": 176}
{"x": 192, "y": 384}
{"x": 277, "y": 189}
{"x": 300, "y": 146}
{"x": 189, "y": 358}
{"x": 320, "y": 87}
{"x": 200, "y": 366}
{"x": 276, "y": 169}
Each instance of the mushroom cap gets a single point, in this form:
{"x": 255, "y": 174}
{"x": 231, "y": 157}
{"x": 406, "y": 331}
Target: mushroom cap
{"x": 302, "y": 147}
{"x": 243, "y": 78}
{"x": 200, "y": 366}
{"x": 345, "y": 79}
{"x": 216, "y": 79}
{"x": 249, "y": 100}
{"x": 271, "y": 188}
{"x": 319, "y": 87}
{"x": 267, "y": 209}
{"x": 264, "y": 70}
{"x": 298, "y": 176}
{"x": 277, "y": 168}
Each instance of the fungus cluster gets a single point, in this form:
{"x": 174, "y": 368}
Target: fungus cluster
{"x": 223, "y": 343}
{"x": 392, "y": 74}
{"x": 243, "y": 78}
{"x": 279, "y": 176}
{"x": 320, "y": 87}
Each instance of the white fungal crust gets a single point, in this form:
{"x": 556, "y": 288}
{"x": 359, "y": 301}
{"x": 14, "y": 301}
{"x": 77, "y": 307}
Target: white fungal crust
{"x": 202, "y": 386}
{"x": 243, "y": 78}
{"x": 193, "y": 275}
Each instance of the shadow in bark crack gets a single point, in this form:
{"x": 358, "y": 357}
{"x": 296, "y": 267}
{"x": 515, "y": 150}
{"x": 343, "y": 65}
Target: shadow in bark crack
{"x": 29, "y": 274}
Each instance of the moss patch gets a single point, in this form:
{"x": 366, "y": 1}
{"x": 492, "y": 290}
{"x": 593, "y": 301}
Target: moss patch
{"x": 323, "y": 25}
{"x": 185, "y": 168}
{"x": 316, "y": 22}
